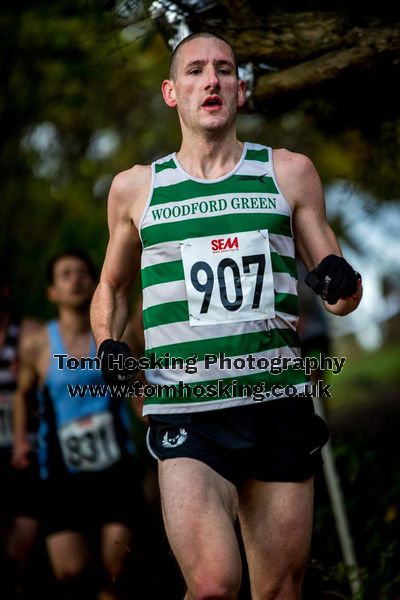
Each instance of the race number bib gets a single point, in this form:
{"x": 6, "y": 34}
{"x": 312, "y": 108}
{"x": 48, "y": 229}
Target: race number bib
{"x": 6, "y": 430}
{"x": 228, "y": 278}
{"x": 89, "y": 444}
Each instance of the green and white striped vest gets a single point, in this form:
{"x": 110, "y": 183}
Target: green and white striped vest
{"x": 219, "y": 279}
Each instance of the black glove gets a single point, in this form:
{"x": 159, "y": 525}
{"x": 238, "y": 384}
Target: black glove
{"x": 117, "y": 363}
{"x": 334, "y": 278}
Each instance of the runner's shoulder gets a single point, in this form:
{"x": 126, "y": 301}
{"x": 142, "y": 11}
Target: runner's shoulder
{"x": 296, "y": 175}
{"x": 33, "y": 343}
{"x": 128, "y": 185}
{"x": 294, "y": 163}
{"x": 29, "y": 326}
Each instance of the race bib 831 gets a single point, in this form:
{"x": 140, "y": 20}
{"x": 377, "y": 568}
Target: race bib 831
{"x": 89, "y": 444}
{"x": 228, "y": 278}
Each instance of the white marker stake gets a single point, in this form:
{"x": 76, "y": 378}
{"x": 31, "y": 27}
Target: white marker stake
{"x": 338, "y": 507}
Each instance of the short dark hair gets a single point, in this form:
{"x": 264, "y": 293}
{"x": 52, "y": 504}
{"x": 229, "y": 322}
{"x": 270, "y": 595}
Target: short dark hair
{"x": 193, "y": 36}
{"x": 70, "y": 253}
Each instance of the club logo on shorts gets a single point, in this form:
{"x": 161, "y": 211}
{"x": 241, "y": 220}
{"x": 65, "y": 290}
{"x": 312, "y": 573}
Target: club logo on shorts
{"x": 171, "y": 439}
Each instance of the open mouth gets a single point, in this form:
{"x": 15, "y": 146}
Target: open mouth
{"x": 212, "y": 102}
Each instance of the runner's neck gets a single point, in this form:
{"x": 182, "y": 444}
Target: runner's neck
{"x": 209, "y": 160}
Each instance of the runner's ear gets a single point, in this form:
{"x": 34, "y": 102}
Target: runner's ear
{"x": 241, "y": 92}
{"x": 168, "y": 93}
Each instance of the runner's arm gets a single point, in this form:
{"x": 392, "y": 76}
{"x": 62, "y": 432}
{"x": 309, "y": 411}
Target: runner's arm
{"x": 314, "y": 237}
{"x": 24, "y": 398}
{"x": 109, "y": 309}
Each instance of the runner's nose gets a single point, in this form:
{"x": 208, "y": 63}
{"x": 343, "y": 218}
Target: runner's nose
{"x": 212, "y": 81}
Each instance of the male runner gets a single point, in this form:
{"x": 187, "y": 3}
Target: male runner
{"x": 215, "y": 227}
{"x": 19, "y": 499}
{"x": 84, "y": 449}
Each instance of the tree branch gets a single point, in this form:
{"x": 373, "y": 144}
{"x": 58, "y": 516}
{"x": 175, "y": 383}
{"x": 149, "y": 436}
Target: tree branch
{"x": 374, "y": 47}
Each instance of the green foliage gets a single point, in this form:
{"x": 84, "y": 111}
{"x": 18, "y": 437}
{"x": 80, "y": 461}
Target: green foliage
{"x": 364, "y": 376}
{"x": 80, "y": 101}
{"x": 368, "y": 470}
{"x": 364, "y": 418}
{"x": 77, "y": 96}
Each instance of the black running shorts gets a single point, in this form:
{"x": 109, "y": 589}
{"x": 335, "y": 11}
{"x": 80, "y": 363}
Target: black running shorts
{"x": 86, "y": 501}
{"x": 279, "y": 440}
{"x": 20, "y": 489}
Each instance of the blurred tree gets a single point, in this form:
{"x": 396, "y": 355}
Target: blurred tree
{"x": 333, "y": 64}
{"x": 78, "y": 92}
{"x": 301, "y": 47}
{"x": 80, "y": 101}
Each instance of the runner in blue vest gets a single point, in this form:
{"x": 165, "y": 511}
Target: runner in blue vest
{"x": 90, "y": 488}
{"x": 215, "y": 228}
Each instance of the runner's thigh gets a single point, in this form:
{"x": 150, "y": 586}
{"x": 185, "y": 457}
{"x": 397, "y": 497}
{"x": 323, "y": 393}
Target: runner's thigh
{"x": 199, "y": 509}
{"x": 69, "y": 554}
{"x": 116, "y": 541}
{"x": 276, "y": 523}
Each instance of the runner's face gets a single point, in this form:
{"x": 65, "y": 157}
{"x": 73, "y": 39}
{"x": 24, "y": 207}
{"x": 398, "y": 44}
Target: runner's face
{"x": 73, "y": 286}
{"x": 206, "y": 90}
